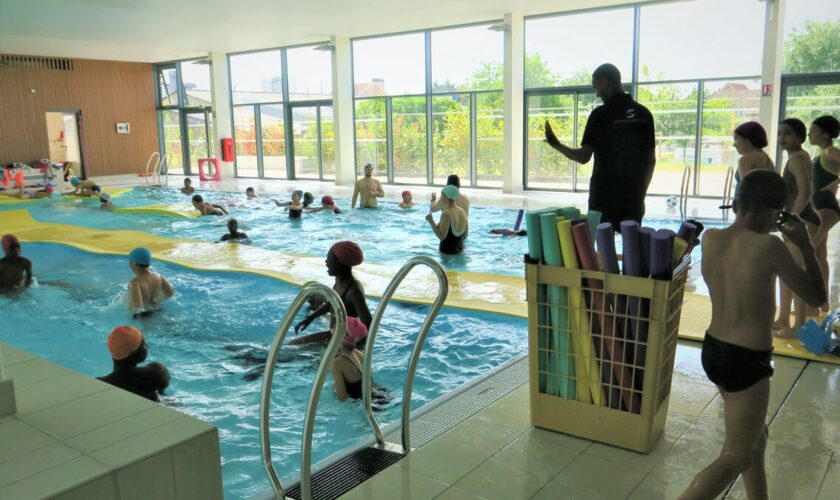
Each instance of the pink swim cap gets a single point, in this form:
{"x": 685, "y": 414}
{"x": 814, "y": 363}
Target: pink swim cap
{"x": 356, "y": 331}
{"x": 406, "y": 193}
{"x": 327, "y": 200}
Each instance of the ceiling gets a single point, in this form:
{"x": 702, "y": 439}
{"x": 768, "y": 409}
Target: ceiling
{"x": 162, "y": 30}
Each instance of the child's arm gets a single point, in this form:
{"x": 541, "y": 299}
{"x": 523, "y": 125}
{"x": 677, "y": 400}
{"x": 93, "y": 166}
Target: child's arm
{"x": 166, "y": 287}
{"x": 338, "y": 378}
{"x": 355, "y": 195}
{"x": 808, "y": 284}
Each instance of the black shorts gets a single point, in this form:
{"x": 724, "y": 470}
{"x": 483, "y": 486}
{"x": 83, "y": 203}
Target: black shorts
{"x": 733, "y": 367}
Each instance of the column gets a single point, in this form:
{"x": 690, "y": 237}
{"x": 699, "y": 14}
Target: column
{"x": 221, "y": 107}
{"x": 771, "y": 71}
{"x": 514, "y": 103}
{"x": 345, "y": 149}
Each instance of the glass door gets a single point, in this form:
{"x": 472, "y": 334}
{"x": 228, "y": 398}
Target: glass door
{"x": 807, "y": 98}
{"x": 313, "y": 141}
{"x": 200, "y": 133}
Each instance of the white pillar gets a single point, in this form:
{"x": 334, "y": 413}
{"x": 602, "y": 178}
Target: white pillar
{"x": 345, "y": 149}
{"x": 514, "y": 80}
{"x": 221, "y": 107}
{"x": 771, "y": 71}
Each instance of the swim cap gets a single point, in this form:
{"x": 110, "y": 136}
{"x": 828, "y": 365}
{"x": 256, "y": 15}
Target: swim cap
{"x": 105, "y": 197}
{"x": 96, "y": 189}
{"x": 123, "y": 341}
{"x": 298, "y": 192}
{"x": 348, "y": 253}
{"x": 356, "y": 331}
{"x": 9, "y": 241}
{"x": 308, "y": 198}
{"x": 49, "y": 188}
{"x": 197, "y": 198}
{"x": 753, "y": 132}
{"x": 450, "y": 192}
{"x": 327, "y": 200}
{"x": 75, "y": 181}
{"x": 406, "y": 193}
{"x": 141, "y": 256}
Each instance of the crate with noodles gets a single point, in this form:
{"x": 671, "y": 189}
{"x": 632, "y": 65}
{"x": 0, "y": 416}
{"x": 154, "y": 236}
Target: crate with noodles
{"x": 601, "y": 343}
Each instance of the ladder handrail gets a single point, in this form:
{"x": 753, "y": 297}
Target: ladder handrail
{"x": 684, "y": 185}
{"x": 727, "y": 190}
{"x": 340, "y": 315}
{"x": 367, "y": 379}
{"x": 167, "y": 159}
{"x": 154, "y": 167}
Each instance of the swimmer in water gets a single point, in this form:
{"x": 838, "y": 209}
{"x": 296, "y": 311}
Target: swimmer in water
{"x": 308, "y": 198}
{"x": 128, "y": 349}
{"x": 233, "y": 232}
{"x": 36, "y": 195}
{"x": 452, "y": 228}
{"x": 15, "y": 271}
{"x": 105, "y": 202}
{"x": 83, "y": 187}
{"x": 294, "y": 207}
{"x": 328, "y": 204}
{"x": 188, "y": 188}
{"x": 249, "y": 192}
{"x": 297, "y": 193}
{"x": 342, "y": 257}
{"x": 406, "y": 200}
{"x": 207, "y": 208}
{"x": 147, "y": 290}
{"x": 509, "y": 232}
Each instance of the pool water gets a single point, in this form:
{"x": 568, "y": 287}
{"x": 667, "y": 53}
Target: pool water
{"x": 206, "y": 334}
{"x": 388, "y": 235}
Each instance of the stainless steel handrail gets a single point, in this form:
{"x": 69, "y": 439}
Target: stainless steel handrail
{"x": 340, "y": 315}
{"x": 154, "y": 166}
{"x": 367, "y": 380}
{"x": 727, "y": 192}
{"x": 167, "y": 159}
{"x": 684, "y": 185}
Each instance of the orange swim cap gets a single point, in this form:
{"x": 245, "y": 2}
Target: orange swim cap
{"x": 123, "y": 341}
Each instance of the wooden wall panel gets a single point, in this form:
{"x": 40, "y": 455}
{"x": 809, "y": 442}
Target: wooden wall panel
{"x": 106, "y": 92}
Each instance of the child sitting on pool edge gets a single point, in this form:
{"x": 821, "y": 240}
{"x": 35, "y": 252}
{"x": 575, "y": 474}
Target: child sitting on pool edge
{"x": 406, "y": 200}
{"x": 128, "y": 349}
{"x": 147, "y": 290}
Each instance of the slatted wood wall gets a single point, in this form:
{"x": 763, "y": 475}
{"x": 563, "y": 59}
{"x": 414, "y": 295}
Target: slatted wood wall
{"x": 106, "y": 92}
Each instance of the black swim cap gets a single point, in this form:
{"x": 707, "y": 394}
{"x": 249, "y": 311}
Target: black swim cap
{"x": 197, "y": 198}
{"x": 829, "y": 125}
{"x": 753, "y": 132}
{"x": 798, "y": 127}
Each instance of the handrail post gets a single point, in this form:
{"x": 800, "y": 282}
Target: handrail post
{"x": 367, "y": 379}
{"x": 727, "y": 190}
{"x": 684, "y": 186}
{"x": 149, "y": 162}
{"x": 340, "y": 315}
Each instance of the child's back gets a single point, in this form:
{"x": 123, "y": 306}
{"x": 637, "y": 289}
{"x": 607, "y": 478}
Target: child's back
{"x": 147, "y": 290}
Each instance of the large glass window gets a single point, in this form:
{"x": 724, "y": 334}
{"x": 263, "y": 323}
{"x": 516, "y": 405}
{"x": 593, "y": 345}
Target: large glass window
{"x": 256, "y": 77}
{"x": 167, "y": 85}
{"x": 371, "y": 135}
{"x": 409, "y": 132}
{"x": 726, "y": 104}
{"x": 245, "y": 140}
{"x": 196, "y": 78}
{"x": 466, "y": 59}
{"x": 674, "y": 110}
{"x": 548, "y": 169}
{"x": 172, "y": 140}
{"x": 305, "y": 135}
{"x": 451, "y": 139}
{"x": 675, "y": 42}
{"x": 812, "y": 36}
{"x": 310, "y": 74}
{"x": 392, "y": 65}
{"x": 490, "y": 131}
{"x": 564, "y": 50}
{"x": 273, "y": 135}
{"x": 327, "y": 143}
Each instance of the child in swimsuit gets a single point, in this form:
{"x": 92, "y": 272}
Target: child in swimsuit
{"x": 249, "y": 192}
{"x": 825, "y": 178}
{"x": 188, "y": 188}
{"x": 128, "y": 349}
{"x": 207, "y": 208}
{"x": 347, "y": 366}
{"x": 15, "y": 270}
{"x": 452, "y": 228}
{"x": 328, "y": 204}
{"x": 406, "y": 200}
{"x": 740, "y": 264}
{"x": 233, "y": 233}
{"x": 147, "y": 290}
{"x": 295, "y": 207}
{"x": 105, "y": 202}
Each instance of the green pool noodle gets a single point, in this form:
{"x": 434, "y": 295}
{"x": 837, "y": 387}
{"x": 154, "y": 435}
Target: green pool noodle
{"x": 532, "y": 222}
{"x": 559, "y": 340}
{"x": 593, "y": 218}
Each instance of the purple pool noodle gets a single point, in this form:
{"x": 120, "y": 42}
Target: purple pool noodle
{"x": 519, "y": 219}
{"x": 688, "y": 232}
{"x": 661, "y": 254}
{"x": 630, "y": 244}
{"x": 607, "y": 258}
{"x": 644, "y": 244}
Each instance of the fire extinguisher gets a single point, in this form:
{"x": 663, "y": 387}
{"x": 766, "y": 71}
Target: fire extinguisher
{"x": 227, "y": 149}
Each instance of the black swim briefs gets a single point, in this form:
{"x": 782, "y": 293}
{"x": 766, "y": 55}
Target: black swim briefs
{"x": 733, "y": 367}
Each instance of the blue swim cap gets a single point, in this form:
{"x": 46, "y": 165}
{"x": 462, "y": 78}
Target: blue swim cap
{"x": 141, "y": 256}
{"x": 75, "y": 181}
{"x": 450, "y": 192}
{"x": 298, "y": 192}
{"x": 105, "y": 196}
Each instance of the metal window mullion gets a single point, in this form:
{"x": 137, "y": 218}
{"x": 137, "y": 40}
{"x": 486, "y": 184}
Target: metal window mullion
{"x": 320, "y": 143}
{"x": 185, "y": 142}
{"x": 389, "y": 140}
{"x": 526, "y": 104}
{"x": 430, "y": 174}
{"x": 637, "y": 23}
{"x": 288, "y": 137}
{"x": 575, "y": 139}
{"x": 473, "y": 139}
{"x": 698, "y": 136}
{"x": 258, "y": 138}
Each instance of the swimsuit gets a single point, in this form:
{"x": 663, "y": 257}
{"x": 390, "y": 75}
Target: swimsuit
{"x": 822, "y": 178}
{"x": 294, "y": 213}
{"x": 808, "y": 213}
{"x": 733, "y": 367}
{"x": 452, "y": 244}
{"x": 379, "y": 397}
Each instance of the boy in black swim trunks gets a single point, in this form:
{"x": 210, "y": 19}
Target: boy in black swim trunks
{"x": 740, "y": 264}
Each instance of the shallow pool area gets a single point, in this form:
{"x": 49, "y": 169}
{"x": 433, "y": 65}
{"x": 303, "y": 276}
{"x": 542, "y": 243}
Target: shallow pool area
{"x": 211, "y": 336}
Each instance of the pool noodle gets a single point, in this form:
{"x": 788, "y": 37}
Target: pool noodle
{"x": 680, "y": 247}
{"x": 593, "y": 220}
{"x": 587, "y": 365}
{"x": 661, "y": 254}
{"x": 631, "y": 263}
{"x": 644, "y": 249}
{"x": 559, "y": 340}
{"x": 613, "y": 348}
{"x": 532, "y": 220}
{"x": 687, "y": 232}
{"x": 607, "y": 258}
{"x": 629, "y": 306}
{"x": 519, "y": 219}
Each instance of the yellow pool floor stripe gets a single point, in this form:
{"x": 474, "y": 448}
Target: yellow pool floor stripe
{"x": 474, "y": 291}
{"x": 183, "y": 211}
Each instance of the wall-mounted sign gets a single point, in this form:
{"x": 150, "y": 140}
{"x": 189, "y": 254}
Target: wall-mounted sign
{"x": 767, "y": 90}
{"x": 123, "y": 128}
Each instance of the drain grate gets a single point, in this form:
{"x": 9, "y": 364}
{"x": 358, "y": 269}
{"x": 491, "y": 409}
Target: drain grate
{"x": 346, "y": 474}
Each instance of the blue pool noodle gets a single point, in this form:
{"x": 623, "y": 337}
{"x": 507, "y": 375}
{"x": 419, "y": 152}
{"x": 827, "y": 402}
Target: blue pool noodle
{"x": 630, "y": 244}
{"x": 519, "y": 219}
{"x": 661, "y": 254}
{"x": 607, "y": 258}
{"x": 644, "y": 246}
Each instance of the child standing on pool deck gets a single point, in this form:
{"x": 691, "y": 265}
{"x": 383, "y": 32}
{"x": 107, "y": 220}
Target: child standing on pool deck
{"x": 740, "y": 264}
{"x": 147, "y": 290}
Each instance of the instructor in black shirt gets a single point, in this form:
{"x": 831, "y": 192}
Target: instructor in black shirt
{"x": 620, "y": 134}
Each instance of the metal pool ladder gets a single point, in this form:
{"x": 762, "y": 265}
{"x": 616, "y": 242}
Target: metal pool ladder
{"x": 341, "y": 476}
{"x": 157, "y": 166}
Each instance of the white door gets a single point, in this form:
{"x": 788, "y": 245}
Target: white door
{"x": 71, "y": 138}
{"x": 56, "y": 136}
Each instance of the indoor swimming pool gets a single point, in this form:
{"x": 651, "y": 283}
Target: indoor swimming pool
{"x": 211, "y": 335}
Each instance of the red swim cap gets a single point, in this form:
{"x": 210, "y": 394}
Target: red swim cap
{"x": 123, "y": 341}
{"x": 327, "y": 200}
{"x": 348, "y": 253}
{"x": 406, "y": 193}
{"x": 9, "y": 240}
